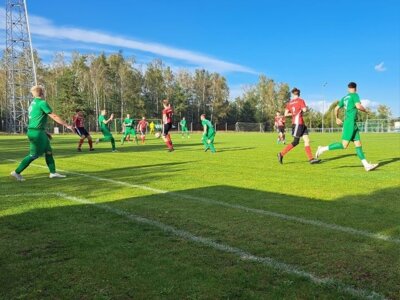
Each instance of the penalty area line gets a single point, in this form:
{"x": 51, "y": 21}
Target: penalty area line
{"x": 243, "y": 255}
{"x": 290, "y": 218}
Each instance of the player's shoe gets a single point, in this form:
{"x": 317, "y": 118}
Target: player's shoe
{"x": 171, "y": 150}
{"x": 319, "y": 152}
{"x": 91, "y": 149}
{"x": 56, "y": 175}
{"x": 371, "y": 167}
{"x": 79, "y": 150}
{"x": 280, "y": 158}
{"x": 206, "y": 149}
{"x": 17, "y": 176}
{"x": 115, "y": 150}
{"x": 97, "y": 141}
{"x": 314, "y": 161}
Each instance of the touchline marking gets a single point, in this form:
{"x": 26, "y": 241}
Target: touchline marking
{"x": 349, "y": 230}
{"x": 243, "y": 255}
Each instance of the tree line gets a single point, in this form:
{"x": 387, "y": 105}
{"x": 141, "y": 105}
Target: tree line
{"x": 120, "y": 85}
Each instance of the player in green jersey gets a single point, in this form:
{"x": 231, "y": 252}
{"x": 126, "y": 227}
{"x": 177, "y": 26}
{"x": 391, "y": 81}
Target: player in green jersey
{"x": 352, "y": 104}
{"x": 129, "y": 129}
{"x": 184, "y": 128}
{"x": 103, "y": 122}
{"x": 208, "y": 134}
{"x": 39, "y": 111}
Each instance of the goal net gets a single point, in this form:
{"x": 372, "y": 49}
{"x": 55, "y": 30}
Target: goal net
{"x": 244, "y": 127}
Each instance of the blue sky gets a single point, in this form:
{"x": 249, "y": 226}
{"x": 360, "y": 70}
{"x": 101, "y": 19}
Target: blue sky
{"x": 304, "y": 43}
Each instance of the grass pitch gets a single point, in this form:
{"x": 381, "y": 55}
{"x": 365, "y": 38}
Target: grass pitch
{"x": 143, "y": 223}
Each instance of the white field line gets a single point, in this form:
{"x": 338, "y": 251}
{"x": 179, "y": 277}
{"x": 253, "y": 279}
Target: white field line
{"x": 243, "y": 255}
{"x": 335, "y": 227}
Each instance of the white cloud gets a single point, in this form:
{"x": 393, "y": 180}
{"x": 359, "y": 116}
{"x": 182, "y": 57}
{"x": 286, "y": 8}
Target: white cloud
{"x": 380, "y": 67}
{"x": 45, "y": 28}
{"x": 372, "y": 105}
{"x": 320, "y": 106}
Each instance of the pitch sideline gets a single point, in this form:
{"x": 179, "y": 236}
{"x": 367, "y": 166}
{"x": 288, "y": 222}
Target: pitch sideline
{"x": 243, "y": 255}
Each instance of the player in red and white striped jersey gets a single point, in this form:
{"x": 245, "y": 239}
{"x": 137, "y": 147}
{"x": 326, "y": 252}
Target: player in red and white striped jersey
{"x": 280, "y": 127}
{"x": 295, "y": 109}
{"x": 79, "y": 125}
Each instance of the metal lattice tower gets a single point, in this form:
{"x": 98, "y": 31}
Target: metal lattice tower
{"x": 20, "y": 66}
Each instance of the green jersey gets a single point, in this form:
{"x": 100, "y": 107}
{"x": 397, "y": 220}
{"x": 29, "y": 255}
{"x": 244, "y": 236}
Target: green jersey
{"x": 183, "y": 123}
{"x": 101, "y": 122}
{"x": 349, "y": 104}
{"x": 210, "y": 127}
{"x": 38, "y": 111}
{"x": 129, "y": 122}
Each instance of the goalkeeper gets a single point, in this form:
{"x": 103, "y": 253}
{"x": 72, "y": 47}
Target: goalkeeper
{"x": 208, "y": 134}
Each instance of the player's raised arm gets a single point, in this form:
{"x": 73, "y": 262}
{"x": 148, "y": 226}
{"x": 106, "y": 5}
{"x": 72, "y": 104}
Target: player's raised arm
{"x": 60, "y": 121}
{"x": 360, "y": 107}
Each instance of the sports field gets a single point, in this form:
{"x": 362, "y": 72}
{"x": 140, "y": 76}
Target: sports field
{"x": 144, "y": 223}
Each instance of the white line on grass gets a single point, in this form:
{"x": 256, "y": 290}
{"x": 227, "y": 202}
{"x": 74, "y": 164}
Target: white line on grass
{"x": 243, "y": 255}
{"x": 335, "y": 227}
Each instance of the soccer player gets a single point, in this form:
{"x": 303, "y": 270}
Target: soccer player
{"x": 280, "y": 127}
{"x": 142, "y": 127}
{"x": 351, "y": 104}
{"x": 129, "y": 129}
{"x": 103, "y": 122}
{"x": 79, "y": 126}
{"x": 152, "y": 126}
{"x": 295, "y": 108}
{"x": 208, "y": 134}
{"x": 39, "y": 111}
{"x": 167, "y": 124}
{"x": 184, "y": 128}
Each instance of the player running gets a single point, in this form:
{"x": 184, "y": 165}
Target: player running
{"x": 167, "y": 124}
{"x": 142, "y": 128}
{"x": 129, "y": 129}
{"x": 79, "y": 126}
{"x": 208, "y": 134}
{"x": 295, "y": 108}
{"x": 39, "y": 111}
{"x": 280, "y": 127}
{"x": 184, "y": 128}
{"x": 351, "y": 104}
{"x": 103, "y": 122}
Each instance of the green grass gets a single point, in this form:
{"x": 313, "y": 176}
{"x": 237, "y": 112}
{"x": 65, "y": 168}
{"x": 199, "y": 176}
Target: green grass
{"x": 53, "y": 247}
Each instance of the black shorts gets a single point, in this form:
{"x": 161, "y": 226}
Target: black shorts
{"x": 299, "y": 130}
{"x": 166, "y": 128}
{"x": 81, "y": 131}
{"x": 281, "y": 129}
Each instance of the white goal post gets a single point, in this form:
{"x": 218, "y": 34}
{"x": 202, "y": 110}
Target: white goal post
{"x": 249, "y": 127}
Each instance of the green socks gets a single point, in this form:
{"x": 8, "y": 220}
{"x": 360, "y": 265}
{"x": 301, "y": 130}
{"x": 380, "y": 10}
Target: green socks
{"x": 360, "y": 153}
{"x": 50, "y": 163}
{"x": 24, "y": 164}
{"x": 28, "y": 159}
{"x": 113, "y": 143}
{"x": 335, "y": 146}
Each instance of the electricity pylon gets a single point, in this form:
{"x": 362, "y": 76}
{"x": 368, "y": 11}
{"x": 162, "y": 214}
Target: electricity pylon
{"x": 20, "y": 65}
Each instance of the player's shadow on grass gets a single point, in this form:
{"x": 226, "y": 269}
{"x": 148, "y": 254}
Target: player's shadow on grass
{"x": 388, "y": 161}
{"x": 330, "y": 159}
{"x": 94, "y": 249}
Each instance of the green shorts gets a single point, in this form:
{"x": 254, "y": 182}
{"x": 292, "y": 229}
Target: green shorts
{"x": 39, "y": 142}
{"x": 129, "y": 131}
{"x": 210, "y": 137}
{"x": 350, "y": 132}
